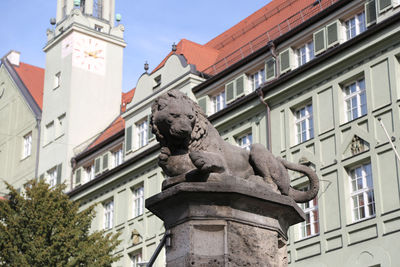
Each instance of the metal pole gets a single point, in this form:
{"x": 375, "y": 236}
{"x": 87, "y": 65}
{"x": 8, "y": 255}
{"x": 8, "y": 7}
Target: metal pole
{"x": 390, "y": 139}
{"x": 164, "y": 241}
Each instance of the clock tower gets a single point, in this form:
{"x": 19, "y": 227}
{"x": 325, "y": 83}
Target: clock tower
{"x": 83, "y": 81}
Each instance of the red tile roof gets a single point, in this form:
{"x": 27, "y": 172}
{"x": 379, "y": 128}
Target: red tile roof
{"x": 126, "y": 99}
{"x": 33, "y": 79}
{"x": 256, "y": 24}
{"x": 117, "y": 126}
{"x": 272, "y": 20}
{"x": 195, "y": 53}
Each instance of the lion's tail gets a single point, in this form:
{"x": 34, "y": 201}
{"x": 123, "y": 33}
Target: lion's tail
{"x": 303, "y": 196}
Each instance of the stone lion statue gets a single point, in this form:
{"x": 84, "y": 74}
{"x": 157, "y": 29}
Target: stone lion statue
{"x": 192, "y": 148}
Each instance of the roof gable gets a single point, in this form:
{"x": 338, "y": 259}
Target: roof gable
{"x": 33, "y": 79}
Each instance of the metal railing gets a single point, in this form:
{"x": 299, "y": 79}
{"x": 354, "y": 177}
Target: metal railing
{"x": 271, "y": 34}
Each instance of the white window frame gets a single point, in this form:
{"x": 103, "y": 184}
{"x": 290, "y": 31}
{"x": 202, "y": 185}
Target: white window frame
{"x": 27, "y": 145}
{"x": 57, "y": 80}
{"x": 98, "y": 6}
{"x": 351, "y": 111}
{"x": 108, "y": 214}
{"x": 305, "y": 53}
{"x": 304, "y": 123}
{"x": 245, "y": 141}
{"x": 138, "y": 201}
{"x": 98, "y": 28}
{"x": 310, "y": 227}
{"x": 118, "y": 157}
{"x": 256, "y": 79}
{"x": 60, "y": 127}
{"x": 136, "y": 258}
{"x": 361, "y": 188}
{"x": 89, "y": 172}
{"x": 218, "y": 102}
{"x": 52, "y": 177}
{"x": 49, "y": 133}
{"x": 141, "y": 133}
{"x": 358, "y": 23}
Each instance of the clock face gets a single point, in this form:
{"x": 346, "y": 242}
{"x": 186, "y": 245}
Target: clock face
{"x": 67, "y": 45}
{"x": 89, "y": 54}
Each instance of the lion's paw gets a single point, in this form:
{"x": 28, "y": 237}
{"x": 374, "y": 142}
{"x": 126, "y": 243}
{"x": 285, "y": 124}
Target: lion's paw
{"x": 206, "y": 162}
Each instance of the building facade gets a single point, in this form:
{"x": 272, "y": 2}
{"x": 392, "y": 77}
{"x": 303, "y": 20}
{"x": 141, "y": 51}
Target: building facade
{"x": 21, "y": 85}
{"x": 82, "y": 87}
{"x": 316, "y": 82}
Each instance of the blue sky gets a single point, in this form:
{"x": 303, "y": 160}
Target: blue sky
{"x": 150, "y": 27}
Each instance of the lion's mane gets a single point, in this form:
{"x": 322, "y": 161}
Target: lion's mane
{"x": 200, "y": 129}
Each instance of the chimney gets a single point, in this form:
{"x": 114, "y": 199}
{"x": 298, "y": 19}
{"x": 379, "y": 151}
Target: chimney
{"x": 13, "y": 57}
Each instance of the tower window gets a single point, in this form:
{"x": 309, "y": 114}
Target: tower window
{"x": 98, "y": 28}
{"x": 98, "y": 9}
{"x": 82, "y": 6}
{"x": 64, "y": 8}
{"x": 57, "y": 80}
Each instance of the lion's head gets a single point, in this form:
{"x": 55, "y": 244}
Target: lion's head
{"x": 177, "y": 120}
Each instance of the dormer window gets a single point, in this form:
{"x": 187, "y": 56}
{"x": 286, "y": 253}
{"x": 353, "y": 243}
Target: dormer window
{"x": 305, "y": 53}
{"x": 355, "y": 25}
{"x": 98, "y": 9}
{"x": 219, "y": 102}
{"x": 257, "y": 79}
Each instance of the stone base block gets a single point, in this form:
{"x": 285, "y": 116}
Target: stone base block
{"x": 231, "y": 223}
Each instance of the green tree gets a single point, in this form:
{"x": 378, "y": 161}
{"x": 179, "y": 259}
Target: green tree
{"x": 43, "y": 227}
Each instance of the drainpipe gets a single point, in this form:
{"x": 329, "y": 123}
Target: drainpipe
{"x": 37, "y": 149}
{"x": 73, "y": 167}
{"x": 268, "y": 113}
{"x": 272, "y": 48}
{"x": 260, "y": 94}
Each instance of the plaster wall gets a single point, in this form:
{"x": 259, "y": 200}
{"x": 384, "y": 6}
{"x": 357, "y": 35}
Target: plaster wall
{"x": 16, "y": 120}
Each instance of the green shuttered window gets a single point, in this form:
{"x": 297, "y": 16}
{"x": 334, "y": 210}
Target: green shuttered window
{"x": 370, "y": 12}
{"x": 78, "y": 175}
{"x": 332, "y": 33}
{"x": 203, "y": 103}
{"x": 319, "y": 41}
{"x": 128, "y": 139}
{"x": 97, "y": 165}
{"x": 229, "y": 92}
{"x": 59, "y": 172}
{"x": 285, "y": 61}
{"x": 384, "y": 5}
{"x": 270, "y": 69}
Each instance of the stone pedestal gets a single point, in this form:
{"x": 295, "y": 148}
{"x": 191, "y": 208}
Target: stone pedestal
{"x": 225, "y": 222}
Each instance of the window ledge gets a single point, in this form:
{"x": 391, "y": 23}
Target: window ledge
{"x": 306, "y": 143}
{"x": 47, "y": 144}
{"x": 25, "y": 157}
{"x": 306, "y": 238}
{"x": 58, "y": 137}
{"x": 346, "y": 123}
{"x": 362, "y": 220}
